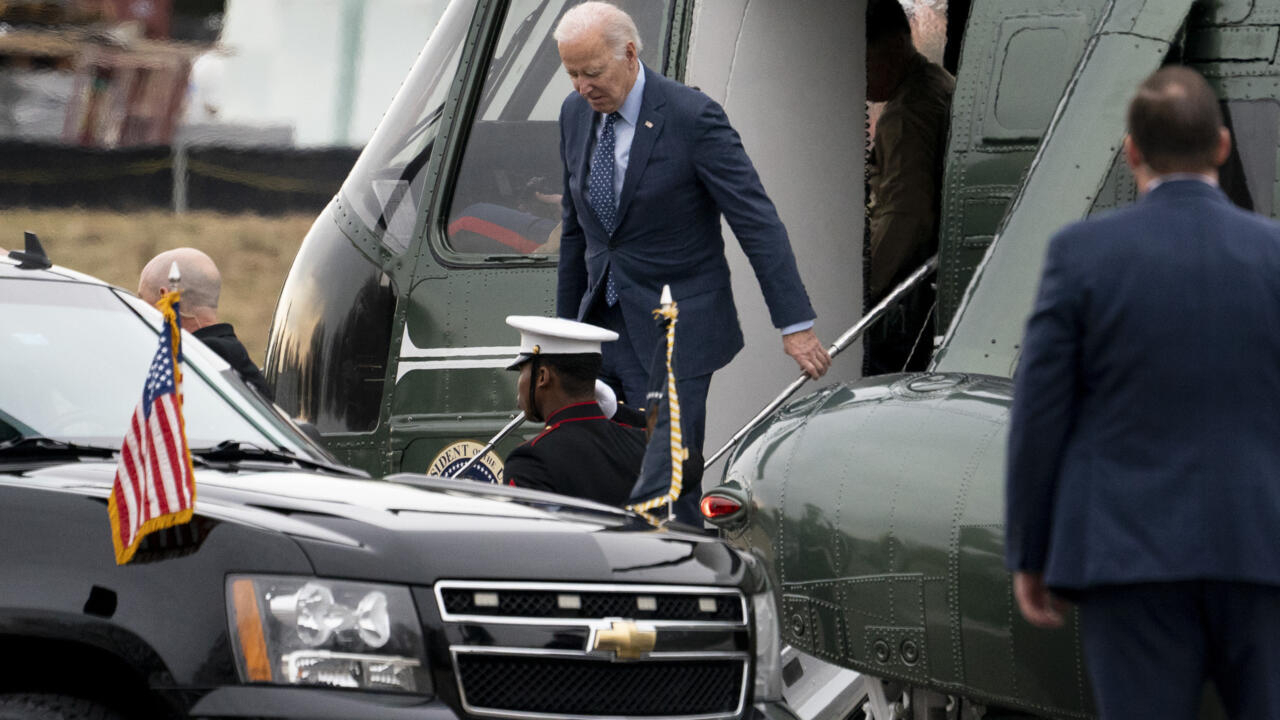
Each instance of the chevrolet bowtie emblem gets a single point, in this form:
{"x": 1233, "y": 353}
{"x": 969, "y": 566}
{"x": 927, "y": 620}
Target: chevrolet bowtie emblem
{"x": 626, "y": 640}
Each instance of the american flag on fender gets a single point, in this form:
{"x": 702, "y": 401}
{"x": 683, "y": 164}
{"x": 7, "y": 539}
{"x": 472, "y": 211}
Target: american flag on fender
{"x": 155, "y": 484}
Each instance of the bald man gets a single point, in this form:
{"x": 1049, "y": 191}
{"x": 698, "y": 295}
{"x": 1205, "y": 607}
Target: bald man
{"x": 201, "y": 286}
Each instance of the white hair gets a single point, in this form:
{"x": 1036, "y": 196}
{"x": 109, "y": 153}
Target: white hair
{"x": 613, "y": 22}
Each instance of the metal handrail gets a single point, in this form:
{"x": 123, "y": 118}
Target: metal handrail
{"x": 836, "y": 348}
{"x": 841, "y": 343}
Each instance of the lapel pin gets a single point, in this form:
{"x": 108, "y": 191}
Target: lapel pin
{"x": 648, "y": 123}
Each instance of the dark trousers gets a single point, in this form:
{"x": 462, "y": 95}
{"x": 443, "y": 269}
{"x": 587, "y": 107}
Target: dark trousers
{"x": 625, "y": 371}
{"x": 902, "y": 340}
{"x": 1150, "y": 648}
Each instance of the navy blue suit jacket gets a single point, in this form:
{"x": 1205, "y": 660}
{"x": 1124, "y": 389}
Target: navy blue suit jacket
{"x": 1145, "y": 436}
{"x": 687, "y": 166}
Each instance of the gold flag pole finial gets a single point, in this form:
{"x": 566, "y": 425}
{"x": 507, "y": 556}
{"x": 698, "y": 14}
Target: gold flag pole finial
{"x": 671, "y": 312}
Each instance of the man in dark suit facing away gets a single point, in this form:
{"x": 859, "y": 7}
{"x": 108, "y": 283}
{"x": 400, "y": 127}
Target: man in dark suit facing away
{"x": 1144, "y": 450}
{"x": 649, "y": 167}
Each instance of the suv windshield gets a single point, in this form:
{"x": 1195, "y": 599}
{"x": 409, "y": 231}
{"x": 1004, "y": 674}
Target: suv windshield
{"x": 73, "y": 358}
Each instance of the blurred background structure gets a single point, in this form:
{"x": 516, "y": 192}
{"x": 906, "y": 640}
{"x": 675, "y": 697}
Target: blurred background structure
{"x": 128, "y": 127}
{"x": 121, "y": 73}
{"x": 928, "y": 20}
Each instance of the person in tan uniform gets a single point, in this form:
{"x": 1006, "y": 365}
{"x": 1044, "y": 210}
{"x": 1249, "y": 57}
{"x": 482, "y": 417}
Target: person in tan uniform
{"x": 905, "y": 177}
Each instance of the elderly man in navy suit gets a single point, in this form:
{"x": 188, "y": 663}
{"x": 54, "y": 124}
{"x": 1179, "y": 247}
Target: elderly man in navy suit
{"x": 1144, "y": 450}
{"x": 649, "y": 166}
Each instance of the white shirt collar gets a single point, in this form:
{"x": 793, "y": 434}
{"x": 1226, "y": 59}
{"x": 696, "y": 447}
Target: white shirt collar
{"x": 630, "y": 110}
{"x": 1171, "y": 177}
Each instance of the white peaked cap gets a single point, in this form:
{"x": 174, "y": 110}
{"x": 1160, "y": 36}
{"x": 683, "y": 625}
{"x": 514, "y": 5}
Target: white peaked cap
{"x": 556, "y": 336}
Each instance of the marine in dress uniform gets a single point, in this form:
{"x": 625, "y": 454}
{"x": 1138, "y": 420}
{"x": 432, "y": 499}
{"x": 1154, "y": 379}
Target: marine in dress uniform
{"x": 582, "y": 452}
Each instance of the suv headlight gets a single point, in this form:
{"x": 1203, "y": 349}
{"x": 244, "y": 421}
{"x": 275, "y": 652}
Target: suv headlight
{"x": 764, "y": 614}
{"x": 333, "y": 633}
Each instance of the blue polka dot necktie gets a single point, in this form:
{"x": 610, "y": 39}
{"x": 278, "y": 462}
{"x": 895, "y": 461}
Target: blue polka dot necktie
{"x": 600, "y": 192}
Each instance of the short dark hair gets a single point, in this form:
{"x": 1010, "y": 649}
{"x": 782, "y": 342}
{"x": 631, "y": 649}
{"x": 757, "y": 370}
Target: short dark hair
{"x": 577, "y": 372}
{"x": 886, "y": 19}
{"x": 1175, "y": 120}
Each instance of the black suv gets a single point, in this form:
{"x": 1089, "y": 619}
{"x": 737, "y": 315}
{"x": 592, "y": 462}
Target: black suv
{"x": 302, "y": 589}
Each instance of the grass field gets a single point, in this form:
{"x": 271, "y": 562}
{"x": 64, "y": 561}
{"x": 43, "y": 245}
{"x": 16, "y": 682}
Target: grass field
{"x": 254, "y": 253}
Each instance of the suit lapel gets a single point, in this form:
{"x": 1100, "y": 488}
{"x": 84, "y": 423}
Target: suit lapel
{"x": 648, "y": 127}
{"x": 586, "y": 117}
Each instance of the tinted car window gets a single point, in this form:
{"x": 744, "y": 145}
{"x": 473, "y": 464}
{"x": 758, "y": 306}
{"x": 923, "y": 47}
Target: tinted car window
{"x": 73, "y": 359}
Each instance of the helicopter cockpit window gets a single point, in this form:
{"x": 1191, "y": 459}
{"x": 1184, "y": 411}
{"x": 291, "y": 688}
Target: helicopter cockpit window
{"x": 506, "y": 201}
{"x": 387, "y": 182}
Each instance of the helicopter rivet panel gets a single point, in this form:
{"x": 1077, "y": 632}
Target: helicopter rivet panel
{"x": 1017, "y": 60}
{"x": 797, "y": 625}
{"x": 899, "y": 649}
{"x": 881, "y": 652}
{"x": 816, "y": 626}
{"x": 1226, "y": 12}
{"x": 890, "y": 529}
{"x": 931, "y": 385}
{"x": 1233, "y": 44}
{"x": 910, "y": 651}
{"x": 1069, "y": 169}
{"x": 1003, "y": 654}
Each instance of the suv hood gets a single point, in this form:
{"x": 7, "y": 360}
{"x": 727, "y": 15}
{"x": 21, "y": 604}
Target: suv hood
{"x": 437, "y": 528}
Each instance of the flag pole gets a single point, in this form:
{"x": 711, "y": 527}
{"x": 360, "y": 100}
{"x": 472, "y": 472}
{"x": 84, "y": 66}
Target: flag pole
{"x": 668, "y": 304}
{"x": 836, "y": 348}
{"x": 668, "y": 313}
{"x": 155, "y": 488}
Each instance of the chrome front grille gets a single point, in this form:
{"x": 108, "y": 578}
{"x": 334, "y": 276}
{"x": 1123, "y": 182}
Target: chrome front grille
{"x": 544, "y": 650}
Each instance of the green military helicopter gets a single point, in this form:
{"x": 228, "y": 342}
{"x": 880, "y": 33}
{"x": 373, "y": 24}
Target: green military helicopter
{"x": 875, "y": 503}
